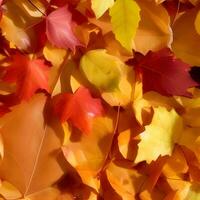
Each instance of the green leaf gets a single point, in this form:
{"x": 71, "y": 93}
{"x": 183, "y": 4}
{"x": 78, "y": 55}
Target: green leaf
{"x": 101, "y": 69}
{"x": 125, "y": 18}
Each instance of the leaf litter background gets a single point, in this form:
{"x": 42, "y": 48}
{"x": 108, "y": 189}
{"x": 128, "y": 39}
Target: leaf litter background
{"x": 100, "y": 99}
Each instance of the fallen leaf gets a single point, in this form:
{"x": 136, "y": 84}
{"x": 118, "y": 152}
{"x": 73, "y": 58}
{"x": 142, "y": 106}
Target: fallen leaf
{"x": 100, "y": 7}
{"x": 164, "y": 73}
{"x": 88, "y": 159}
{"x": 125, "y": 18}
{"x": 31, "y": 147}
{"x": 185, "y": 46}
{"x": 16, "y": 28}
{"x": 79, "y": 108}
{"x": 185, "y": 190}
{"x": 59, "y": 29}
{"x": 29, "y": 75}
{"x": 154, "y": 26}
{"x": 57, "y": 57}
{"x": 8, "y": 191}
{"x": 126, "y": 182}
{"x": 101, "y": 69}
{"x": 161, "y": 135}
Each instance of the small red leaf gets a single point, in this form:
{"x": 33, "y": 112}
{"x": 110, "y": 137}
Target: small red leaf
{"x": 164, "y": 73}
{"x": 29, "y": 75}
{"x": 59, "y": 29}
{"x": 79, "y": 108}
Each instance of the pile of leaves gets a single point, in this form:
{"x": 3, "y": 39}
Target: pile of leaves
{"x": 100, "y": 99}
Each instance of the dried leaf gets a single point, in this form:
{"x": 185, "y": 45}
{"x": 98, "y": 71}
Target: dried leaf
{"x": 160, "y": 136}
{"x": 31, "y": 147}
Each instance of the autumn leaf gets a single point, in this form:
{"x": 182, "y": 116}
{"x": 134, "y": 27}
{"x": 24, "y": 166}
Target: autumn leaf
{"x": 110, "y": 75}
{"x": 100, "y": 7}
{"x": 164, "y": 73}
{"x": 8, "y": 191}
{"x": 99, "y": 99}
{"x": 15, "y": 27}
{"x": 125, "y": 181}
{"x": 29, "y": 75}
{"x": 176, "y": 165}
{"x": 59, "y": 29}
{"x": 185, "y": 46}
{"x": 57, "y": 58}
{"x": 159, "y": 32}
{"x": 30, "y": 142}
{"x": 160, "y": 135}
{"x": 79, "y": 108}
{"x": 86, "y": 158}
{"x": 185, "y": 190}
{"x": 125, "y": 18}
{"x": 101, "y": 69}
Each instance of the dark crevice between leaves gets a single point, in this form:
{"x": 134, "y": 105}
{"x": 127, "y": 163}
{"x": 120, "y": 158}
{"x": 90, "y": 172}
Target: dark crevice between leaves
{"x": 195, "y": 74}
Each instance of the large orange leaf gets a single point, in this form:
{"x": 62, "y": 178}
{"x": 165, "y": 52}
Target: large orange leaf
{"x": 31, "y": 147}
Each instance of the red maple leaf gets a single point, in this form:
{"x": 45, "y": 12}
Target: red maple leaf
{"x": 78, "y": 108}
{"x": 29, "y": 75}
{"x": 162, "y": 72}
{"x": 59, "y": 29}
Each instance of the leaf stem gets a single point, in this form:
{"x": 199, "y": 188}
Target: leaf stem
{"x": 36, "y": 8}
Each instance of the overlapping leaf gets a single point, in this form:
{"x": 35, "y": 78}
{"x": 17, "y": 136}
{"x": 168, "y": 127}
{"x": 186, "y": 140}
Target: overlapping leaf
{"x": 126, "y": 73}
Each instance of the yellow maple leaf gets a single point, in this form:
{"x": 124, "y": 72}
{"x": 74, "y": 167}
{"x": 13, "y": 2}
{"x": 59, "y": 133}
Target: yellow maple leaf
{"x": 160, "y": 136}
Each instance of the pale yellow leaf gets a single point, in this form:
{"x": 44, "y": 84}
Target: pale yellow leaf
{"x": 101, "y": 69}
{"x": 100, "y": 7}
{"x": 125, "y": 18}
{"x": 123, "y": 94}
{"x": 160, "y": 136}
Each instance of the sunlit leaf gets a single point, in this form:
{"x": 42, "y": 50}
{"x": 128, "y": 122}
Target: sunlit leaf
{"x": 101, "y": 69}
{"x": 99, "y": 7}
{"x": 125, "y": 18}
{"x": 160, "y": 136}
